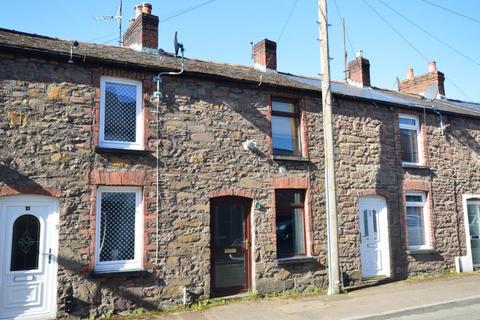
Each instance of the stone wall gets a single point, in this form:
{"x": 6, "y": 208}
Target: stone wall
{"x": 49, "y": 129}
{"x": 48, "y": 137}
{"x": 204, "y": 125}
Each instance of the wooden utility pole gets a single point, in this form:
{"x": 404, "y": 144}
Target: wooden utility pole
{"x": 331, "y": 198}
{"x": 345, "y": 75}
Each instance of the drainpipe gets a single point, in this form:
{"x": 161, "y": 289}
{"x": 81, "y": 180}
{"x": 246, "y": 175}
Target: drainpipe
{"x": 184, "y": 296}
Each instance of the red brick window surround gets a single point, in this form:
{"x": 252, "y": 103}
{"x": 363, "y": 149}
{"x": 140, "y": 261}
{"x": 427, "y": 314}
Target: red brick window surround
{"x": 118, "y": 229}
{"x": 121, "y": 179}
{"x": 286, "y": 121}
{"x": 121, "y": 124}
{"x": 291, "y": 204}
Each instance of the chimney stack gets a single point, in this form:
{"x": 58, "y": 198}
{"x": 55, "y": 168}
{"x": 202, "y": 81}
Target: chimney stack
{"x": 264, "y": 55}
{"x": 418, "y": 84}
{"x": 142, "y": 33}
{"x": 358, "y": 70}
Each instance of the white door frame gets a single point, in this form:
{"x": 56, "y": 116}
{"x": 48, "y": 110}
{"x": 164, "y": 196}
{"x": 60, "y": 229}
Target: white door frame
{"x": 52, "y": 235}
{"x": 466, "y": 223}
{"x": 383, "y": 228}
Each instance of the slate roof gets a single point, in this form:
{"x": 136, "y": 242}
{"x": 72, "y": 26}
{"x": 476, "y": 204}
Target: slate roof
{"x": 395, "y": 97}
{"x": 90, "y": 52}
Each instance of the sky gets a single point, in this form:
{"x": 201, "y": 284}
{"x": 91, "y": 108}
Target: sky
{"x": 222, "y": 31}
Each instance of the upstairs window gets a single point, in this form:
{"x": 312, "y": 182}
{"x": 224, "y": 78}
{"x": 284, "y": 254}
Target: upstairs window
{"x": 417, "y": 222}
{"x": 290, "y": 222}
{"x": 285, "y": 128}
{"x": 121, "y": 120}
{"x": 409, "y": 131}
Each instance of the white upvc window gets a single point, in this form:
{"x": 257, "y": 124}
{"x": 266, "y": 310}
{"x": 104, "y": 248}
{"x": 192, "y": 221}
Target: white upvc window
{"x": 119, "y": 229}
{"x": 418, "y": 222}
{"x": 409, "y": 138}
{"x": 121, "y": 114}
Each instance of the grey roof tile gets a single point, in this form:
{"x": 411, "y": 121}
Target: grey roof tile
{"x": 14, "y": 40}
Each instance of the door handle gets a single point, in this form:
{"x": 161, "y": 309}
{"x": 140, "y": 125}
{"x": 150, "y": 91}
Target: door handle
{"x": 475, "y": 237}
{"x": 246, "y": 244}
{"x": 49, "y": 254}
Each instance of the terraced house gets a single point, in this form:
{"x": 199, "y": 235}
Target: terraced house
{"x": 116, "y": 193}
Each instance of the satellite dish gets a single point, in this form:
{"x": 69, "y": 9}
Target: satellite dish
{"x": 177, "y": 45}
{"x": 431, "y": 93}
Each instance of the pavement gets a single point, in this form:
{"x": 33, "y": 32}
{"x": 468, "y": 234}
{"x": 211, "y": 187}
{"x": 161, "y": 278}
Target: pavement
{"x": 411, "y": 299}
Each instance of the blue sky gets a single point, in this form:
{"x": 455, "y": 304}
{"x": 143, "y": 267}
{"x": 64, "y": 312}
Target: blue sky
{"x": 223, "y": 29}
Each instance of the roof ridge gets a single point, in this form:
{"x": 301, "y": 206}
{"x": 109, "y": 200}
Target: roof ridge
{"x": 29, "y": 34}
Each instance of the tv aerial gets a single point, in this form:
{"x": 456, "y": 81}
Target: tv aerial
{"x": 177, "y": 45}
{"x": 431, "y": 93}
{"x": 118, "y": 20}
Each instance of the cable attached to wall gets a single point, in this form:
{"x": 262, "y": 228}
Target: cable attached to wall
{"x": 158, "y": 94}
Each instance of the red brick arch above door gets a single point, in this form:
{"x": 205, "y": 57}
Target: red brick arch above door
{"x": 231, "y": 192}
{"x": 372, "y": 192}
{"x": 8, "y": 191}
{"x": 290, "y": 183}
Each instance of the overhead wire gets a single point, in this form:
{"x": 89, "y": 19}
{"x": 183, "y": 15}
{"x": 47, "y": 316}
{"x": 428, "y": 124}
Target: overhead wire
{"x": 168, "y": 17}
{"x": 395, "y": 30}
{"x": 281, "y": 34}
{"x": 101, "y": 37}
{"x": 287, "y": 21}
{"x": 346, "y": 32}
{"x": 183, "y": 11}
{"x": 452, "y": 11}
{"x": 284, "y": 27}
{"x": 115, "y": 39}
{"x": 410, "y": 44}
{"x": 430, "y": 34}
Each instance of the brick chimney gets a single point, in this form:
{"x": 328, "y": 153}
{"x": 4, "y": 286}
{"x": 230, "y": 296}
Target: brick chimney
{"x": 358, "y": 70}
{"x": 264, "y": 55}
{"x": 418, "y": 84}
{"x": 142, "y": 33}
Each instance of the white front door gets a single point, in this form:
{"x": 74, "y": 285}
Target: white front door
{"x": 473, "y": 213}
{"x": 28, "y": 264}
{"x": 374, "y": 243}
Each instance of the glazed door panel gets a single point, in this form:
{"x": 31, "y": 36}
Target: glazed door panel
{"x": 473, "y": 210}
{"x": 231, "y": 246}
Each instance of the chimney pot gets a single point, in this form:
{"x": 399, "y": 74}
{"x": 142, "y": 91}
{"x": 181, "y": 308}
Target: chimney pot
{"x": 359, "y": 54}
{"x": 138, "y": 10}
{"x": 265, "y": 54}
{"x": 432, "y": 66}
{"x": 147, "y": 8}
{"x": 410, "y": 74}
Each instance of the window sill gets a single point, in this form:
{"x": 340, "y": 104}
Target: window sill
{"x": 414, "y": 166}
{"x": 421, "y": 251}
{"x": 290, "y": 158}
{"x": 296, "y": 260}
{"x": 99, "y": 149}
{"x": 114, "y": 274}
